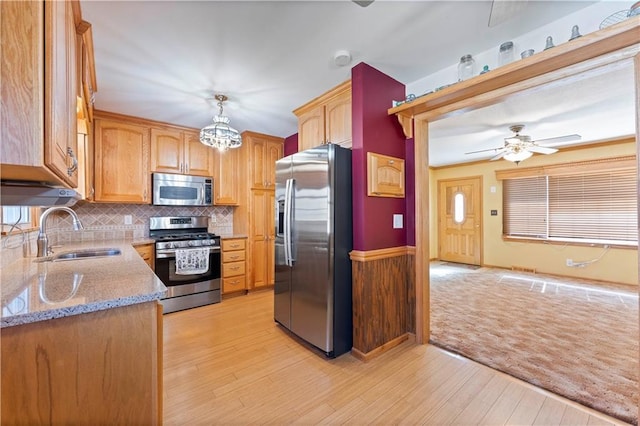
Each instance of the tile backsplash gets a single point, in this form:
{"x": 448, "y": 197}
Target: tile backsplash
{"x": 107, "y": 222}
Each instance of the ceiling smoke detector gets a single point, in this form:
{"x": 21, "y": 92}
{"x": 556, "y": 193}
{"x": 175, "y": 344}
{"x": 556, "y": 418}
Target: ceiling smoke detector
{"x": 342, "y": 58}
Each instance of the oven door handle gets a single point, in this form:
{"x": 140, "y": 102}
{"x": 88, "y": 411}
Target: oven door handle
{"x": 171, "y": 253}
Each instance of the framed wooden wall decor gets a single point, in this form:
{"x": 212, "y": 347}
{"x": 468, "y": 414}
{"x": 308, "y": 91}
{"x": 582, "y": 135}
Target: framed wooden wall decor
{"x": 385, "y": 176}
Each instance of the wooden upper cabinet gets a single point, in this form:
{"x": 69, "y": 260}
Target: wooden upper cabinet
{"x": 226, "y": 178}
{"x": 326, "y": 119}
{"x": 198, "y": 157}
{"x": 121, "y": 162}
{"x": 38, "y": 71}
{"x": 173, "y": 151}
{"x": 265, "y": 151}
{"x": 311, "y": 128}
{"x": 166, "y": 151}
{"x": 337, "y": 116}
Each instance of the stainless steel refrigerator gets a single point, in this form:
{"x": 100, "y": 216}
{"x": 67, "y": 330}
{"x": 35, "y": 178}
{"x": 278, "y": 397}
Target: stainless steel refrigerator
{"x": 313, "y": 240}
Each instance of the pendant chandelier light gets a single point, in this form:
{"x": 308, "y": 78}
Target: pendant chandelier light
{"x": 219, "y": 134}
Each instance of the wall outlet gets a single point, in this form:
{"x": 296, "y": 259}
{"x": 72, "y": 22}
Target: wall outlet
{"x": 569, "y": 262}
{"x": 128, "y": 220}
{"x": 397, "y": 221}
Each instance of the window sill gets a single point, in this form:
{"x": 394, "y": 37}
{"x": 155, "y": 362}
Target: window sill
{"x": 566, "y": 242}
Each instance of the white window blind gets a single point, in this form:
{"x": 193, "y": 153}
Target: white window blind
{"x": 525, "y": 207}
{"x": 595, "y": 206}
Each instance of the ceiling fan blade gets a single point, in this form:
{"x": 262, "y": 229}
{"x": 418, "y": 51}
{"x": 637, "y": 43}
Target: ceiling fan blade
{"x": 484, "y": 150}
{"x": 498, "y": 156}
{"x": 502, "y": 10}
{"x": 559, "y": 139}
{"x": 541, "y": 149}
{"x": 363, "y": 3}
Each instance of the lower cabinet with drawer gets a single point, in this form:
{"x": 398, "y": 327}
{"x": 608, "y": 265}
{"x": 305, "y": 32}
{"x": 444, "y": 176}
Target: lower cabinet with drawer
{"x": 234, "y": 265}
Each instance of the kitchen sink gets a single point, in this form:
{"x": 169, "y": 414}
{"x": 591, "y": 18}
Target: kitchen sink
{"x": 80, "y": 254}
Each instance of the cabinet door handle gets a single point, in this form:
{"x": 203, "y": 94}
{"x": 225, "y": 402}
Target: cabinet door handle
{"x": 74, "y": 162}
{"x": 186, "y": 168}
{"x": 144, "y": 196}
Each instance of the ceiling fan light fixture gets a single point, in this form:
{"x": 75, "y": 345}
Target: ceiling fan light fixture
{"x": 517, "y": 156}
{"x": 219, "y": 134}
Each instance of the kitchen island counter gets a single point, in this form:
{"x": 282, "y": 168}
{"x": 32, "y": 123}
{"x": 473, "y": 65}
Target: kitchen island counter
{"x": 37, "y": 291}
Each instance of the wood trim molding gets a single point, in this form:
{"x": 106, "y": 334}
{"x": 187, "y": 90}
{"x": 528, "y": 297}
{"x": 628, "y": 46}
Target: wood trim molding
{"x": 140, "y": 121}
{"x": 590, "y": 46}
{"x": 380, "y": 349}
{"x": 411, "y": 250}
{"x": 367, "y": 256}
{"x": 323, "y": 98}
{"x": 563, "y": 169}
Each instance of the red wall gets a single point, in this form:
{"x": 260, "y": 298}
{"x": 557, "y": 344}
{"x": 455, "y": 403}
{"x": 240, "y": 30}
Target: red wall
{"x": 375, "y": 131}
{"x": 410, "y": 192}
{"x": 291, "y": 144}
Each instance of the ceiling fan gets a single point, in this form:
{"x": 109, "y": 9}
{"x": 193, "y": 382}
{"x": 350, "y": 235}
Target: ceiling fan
{"x": 520, "y": 147}
{"x": 501, "y": 10}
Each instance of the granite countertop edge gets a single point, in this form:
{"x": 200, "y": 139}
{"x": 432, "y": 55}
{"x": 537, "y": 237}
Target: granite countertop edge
{"x": 78, "y": 309}
{"x": 104, "y": 287}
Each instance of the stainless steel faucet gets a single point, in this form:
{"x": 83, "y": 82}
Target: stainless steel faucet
{"x": 43, "y": 241}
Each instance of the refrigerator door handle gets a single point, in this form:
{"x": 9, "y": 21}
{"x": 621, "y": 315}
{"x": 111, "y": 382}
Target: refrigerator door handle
{"x": 288, "y": 213}
{"x": 286, "y": 222}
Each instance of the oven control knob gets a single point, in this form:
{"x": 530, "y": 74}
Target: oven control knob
{"x": 193, "y": 243}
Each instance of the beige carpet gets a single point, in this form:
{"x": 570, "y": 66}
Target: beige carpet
{"x": 576, "y": 339}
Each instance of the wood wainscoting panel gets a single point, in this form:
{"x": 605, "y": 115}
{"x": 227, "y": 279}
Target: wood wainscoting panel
{"x": 411, "y": 290}
{"x": 380, "y": 302}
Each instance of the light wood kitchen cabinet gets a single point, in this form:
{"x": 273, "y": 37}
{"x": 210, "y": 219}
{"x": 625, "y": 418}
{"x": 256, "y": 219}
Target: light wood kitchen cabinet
{"x": 39, "y": 92}
{"x": 228, "y": 170}
{"x": 385, "y": 176}
{"x": 326, "y": 119}
{"x": 174, "y": 151}
{"x": 121, "y": 162}
{"x": 262, "y": 225}
{"x": 254, "y": 215}
{"x": 102, "y": 367}
{"x": 147, "y": 253}
{"x": 265, "y": 151}
{"x": 233, "y": 265}
{"x": 87, "y": 68}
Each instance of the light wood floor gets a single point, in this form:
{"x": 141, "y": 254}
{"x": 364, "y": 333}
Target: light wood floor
{"x": 230, "y": 363}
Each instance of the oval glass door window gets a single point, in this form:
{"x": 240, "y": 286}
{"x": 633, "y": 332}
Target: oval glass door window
{"x": 458, "y": 208}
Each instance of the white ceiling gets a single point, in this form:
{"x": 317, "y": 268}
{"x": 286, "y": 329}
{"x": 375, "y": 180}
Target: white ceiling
{"x": 164, "y": 60}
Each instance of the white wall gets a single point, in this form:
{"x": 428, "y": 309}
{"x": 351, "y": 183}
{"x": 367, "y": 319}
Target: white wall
{"x": 588, "y": 20}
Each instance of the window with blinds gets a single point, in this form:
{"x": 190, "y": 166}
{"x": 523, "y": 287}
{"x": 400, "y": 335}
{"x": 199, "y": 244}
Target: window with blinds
{"x": 525, "y": 207}
{"x": 599, "y": 206}
{"x": 587, "y": 207}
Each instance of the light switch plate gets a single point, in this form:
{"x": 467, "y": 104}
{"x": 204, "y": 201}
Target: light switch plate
{"x": 397, "y": 221}
{"x": 127, "y": 219}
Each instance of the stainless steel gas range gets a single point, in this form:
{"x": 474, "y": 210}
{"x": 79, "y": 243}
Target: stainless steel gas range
{"x": 184, "y": 241}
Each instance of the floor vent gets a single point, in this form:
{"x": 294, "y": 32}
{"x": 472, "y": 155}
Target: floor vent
{"x": 523, "y": 269}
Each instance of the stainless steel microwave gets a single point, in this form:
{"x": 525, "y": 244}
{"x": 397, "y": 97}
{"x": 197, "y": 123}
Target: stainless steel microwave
{"x": 182, "y": 190}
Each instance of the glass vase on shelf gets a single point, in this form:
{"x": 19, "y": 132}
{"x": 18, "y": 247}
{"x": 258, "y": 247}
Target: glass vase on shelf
{"x": 466, "y": 68}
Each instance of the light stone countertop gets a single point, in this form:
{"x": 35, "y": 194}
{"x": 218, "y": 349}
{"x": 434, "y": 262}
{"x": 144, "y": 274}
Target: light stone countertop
{"x": 38, "y": 291}
{"x": 232, "y": 236}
